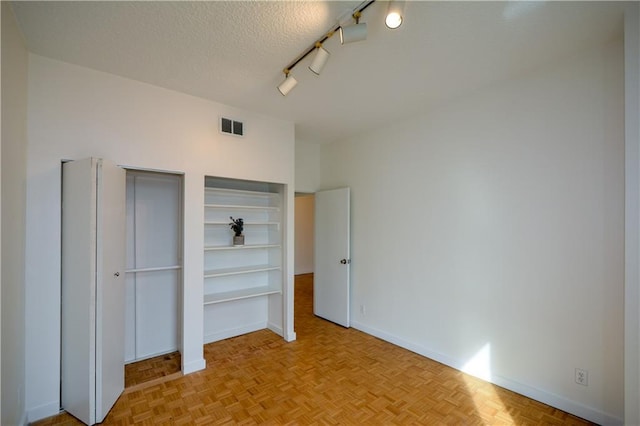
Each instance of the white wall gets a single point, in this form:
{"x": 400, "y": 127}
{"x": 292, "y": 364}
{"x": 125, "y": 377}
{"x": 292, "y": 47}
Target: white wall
{"x": 307, "y": 167}
{"x": 75, "y": 112}
{"x": 494, "y": 226}
{"x": 632, "y": 214}
{"x": 14, "y": 165}
{"x": 304, "y": 209}
{"x": 307, "y": 170}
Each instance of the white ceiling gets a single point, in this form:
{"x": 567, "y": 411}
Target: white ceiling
{"x": 234, "y": 52}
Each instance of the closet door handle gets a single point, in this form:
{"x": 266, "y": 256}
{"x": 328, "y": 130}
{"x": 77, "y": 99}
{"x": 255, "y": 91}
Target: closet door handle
{"x": 117, "y": 274}
{"x": 345, "y": 261}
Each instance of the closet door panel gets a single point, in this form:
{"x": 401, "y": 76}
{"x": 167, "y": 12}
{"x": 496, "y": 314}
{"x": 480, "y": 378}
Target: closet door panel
{"x": 110, "y": 289}
{"x": 79, "y": 182}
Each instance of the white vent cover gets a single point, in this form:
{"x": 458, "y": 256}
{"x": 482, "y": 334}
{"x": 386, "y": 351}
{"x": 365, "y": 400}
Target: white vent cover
{"x": 231, "y": 127}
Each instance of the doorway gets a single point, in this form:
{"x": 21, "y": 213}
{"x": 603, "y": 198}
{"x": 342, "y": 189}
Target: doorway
{"x": 304, "y": 213}
{"x": 304, "y": 233}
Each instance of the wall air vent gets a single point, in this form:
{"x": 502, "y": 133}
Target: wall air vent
{"x": 231, "y": 127}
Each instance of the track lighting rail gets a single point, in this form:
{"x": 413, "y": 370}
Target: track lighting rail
{"x": 355, "y": 15}
{"x": 348, "y": 34}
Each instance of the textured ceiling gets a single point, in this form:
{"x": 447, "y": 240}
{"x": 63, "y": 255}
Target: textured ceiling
{"x": 234, "y": 52}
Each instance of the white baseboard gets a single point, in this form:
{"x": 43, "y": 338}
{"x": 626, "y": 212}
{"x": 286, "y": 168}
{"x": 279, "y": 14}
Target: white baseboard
{"x": 23, "y": 419}
{"x": 43, "y": 411}
{"x": 153, "y": 355}
{"x": 233, "y": 332}
{"x": 193, "y": 366}
{"x": 290, "y": 337}
{"x": 548, "y": 398}
{"x": 276, "y": 329}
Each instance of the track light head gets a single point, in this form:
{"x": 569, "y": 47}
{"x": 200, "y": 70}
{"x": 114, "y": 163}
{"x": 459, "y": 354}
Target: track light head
{"x": 395, "y": 13}
{"x": 352, "y": 33}
{"x": 320, "y": 60}
{"x": 348, "y": 34}
{"x": 288, "y": 84}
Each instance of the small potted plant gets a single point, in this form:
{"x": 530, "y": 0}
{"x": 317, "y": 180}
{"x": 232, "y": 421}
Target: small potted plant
{"x": 237, "y": 225}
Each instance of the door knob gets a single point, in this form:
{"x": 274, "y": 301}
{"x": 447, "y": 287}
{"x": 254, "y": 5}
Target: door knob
{"x": 117, "y": 274}
{"x": 344, "y": 261}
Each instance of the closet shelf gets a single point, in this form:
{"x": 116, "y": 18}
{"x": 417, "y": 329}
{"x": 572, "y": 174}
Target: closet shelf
{"x": 245, "y": 247}
{"x": 239, "y": 271}
{"x": 241, "y": 207}
{"x": 217, "y": 223}
{"x": 246, "y": 293}
{"x": 154, "y": 269}
{"x": 253, "y": 194}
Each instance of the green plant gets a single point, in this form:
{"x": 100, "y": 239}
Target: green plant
{"x": 237, "y": 225}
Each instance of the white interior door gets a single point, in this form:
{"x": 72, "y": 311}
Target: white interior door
{"x": 331, "y": 286}
{"x": 92, "y": 369}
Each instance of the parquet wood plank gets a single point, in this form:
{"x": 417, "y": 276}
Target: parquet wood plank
{"x": 329, "y": 376}
{"x": 140, "y": 372}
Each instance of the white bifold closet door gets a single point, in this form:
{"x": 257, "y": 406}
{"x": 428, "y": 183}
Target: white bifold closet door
{"x": 154, "y": 264}
{"x": 93, "y": 260}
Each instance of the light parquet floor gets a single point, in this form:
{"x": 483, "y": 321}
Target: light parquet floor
{"x": 329, "y": 376}
{"x": 150, "y": 369}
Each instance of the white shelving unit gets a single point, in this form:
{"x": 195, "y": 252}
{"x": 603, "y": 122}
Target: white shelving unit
{"x": 242, "y": 284}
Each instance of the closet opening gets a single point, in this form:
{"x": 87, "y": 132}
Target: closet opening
{"x": 154, "y": 276}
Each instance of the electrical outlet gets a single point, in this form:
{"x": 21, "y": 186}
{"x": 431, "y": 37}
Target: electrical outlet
{"x": 582, "y": 377}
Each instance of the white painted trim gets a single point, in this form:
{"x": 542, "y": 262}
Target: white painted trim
{"x": 23, "y": 419}
{"x": 291, "y": 337}
{"x": 632, "y": 213}
{"x": 193, "y": 366}
{"x": 43, "y": 411}
{"x": 233, "y": 332}
{"x": 276, "y": 329}
{"x": 420, "y": 350}
{"x": 553, "y": 400}
{"x": 170, "y": 351}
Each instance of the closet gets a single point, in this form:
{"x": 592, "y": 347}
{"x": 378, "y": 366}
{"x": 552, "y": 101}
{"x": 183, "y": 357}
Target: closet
{"x": 154, "y": 264}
